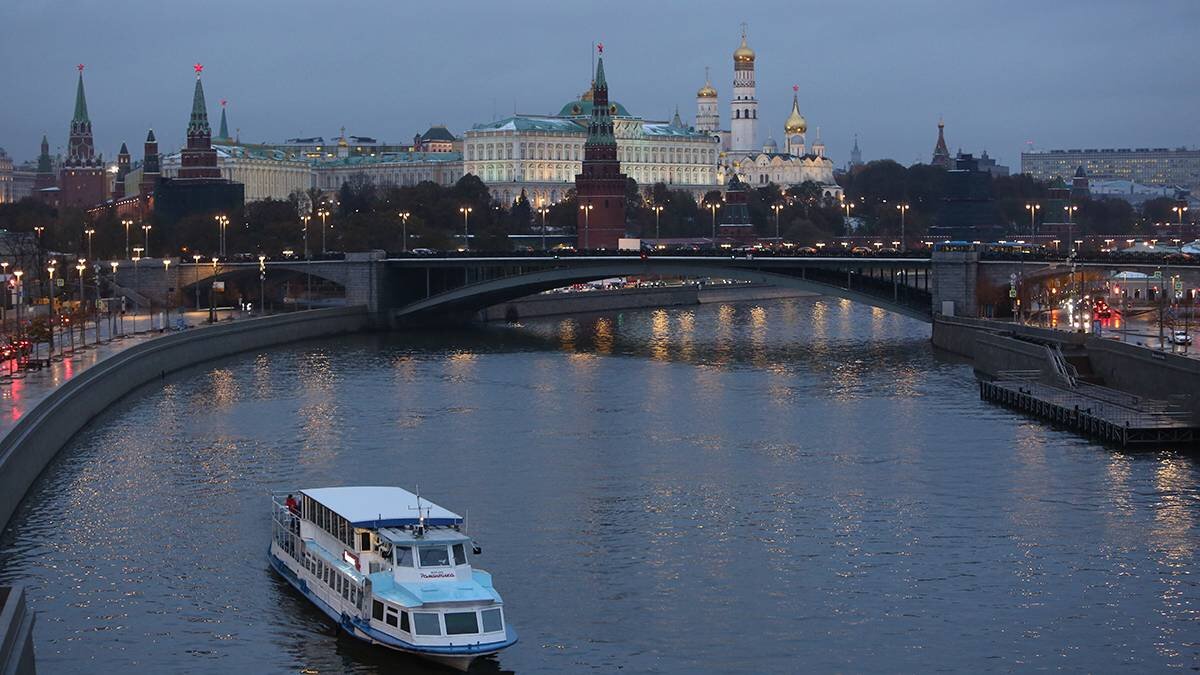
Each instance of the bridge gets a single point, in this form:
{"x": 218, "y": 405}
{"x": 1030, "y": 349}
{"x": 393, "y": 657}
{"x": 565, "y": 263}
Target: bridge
{"x": 415, "y": 289}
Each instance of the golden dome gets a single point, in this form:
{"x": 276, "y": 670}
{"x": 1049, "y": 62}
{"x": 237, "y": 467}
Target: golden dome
{"x": 743, "y": 52}
{"x": 707, "y": 91}
{"x": 795, "y": 124}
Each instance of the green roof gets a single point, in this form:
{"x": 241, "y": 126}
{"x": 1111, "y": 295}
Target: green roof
{"x": 389, "y": 157}
{"x": 529, "y": 123}
{"x": 81, "y": 114}
{"x": 583, "y": 108}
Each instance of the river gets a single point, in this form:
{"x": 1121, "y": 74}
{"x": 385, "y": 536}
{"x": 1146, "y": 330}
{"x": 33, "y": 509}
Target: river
{"x": 791, "y": 485}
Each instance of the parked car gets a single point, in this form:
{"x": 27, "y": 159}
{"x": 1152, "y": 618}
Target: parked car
{"x": 423, "y": 251}
{"x": 1180, "y": 337}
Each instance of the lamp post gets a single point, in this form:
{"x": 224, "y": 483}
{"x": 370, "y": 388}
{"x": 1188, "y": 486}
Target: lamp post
{"x": 222, "y": 221}
{"x": 146, "y": 241}
{"x": 82, "y": 305}
{"x": 404, "y": 230}
{"x": 137, "y": 304}
{"x": 89, "y": 232}
{"x": 543, "y": 210}
{"x": 713, "y": 208}
{"x": 903, "y": 207}
{"x": 1070, "y": 209}
{"x": 166, "y": 299}
{"x": 777, "y": 208}
{"x": 587, "y": 224}
{"x": 466, "y": 214}
{"x": 658, "y": 209}
{"x": 112, "y": 325}
{"x": 50, "y": 269}
{"x": 196, "y": 260}
{"x": 96, "y": 309}
{"x": 262, "y": 284}
{"x": 1180, "y": 211}
{"x": 324, "y": 214}
{"x": 305, "y": 219}
{"x": 1032, "y": 209}
{"x": 127, "y": 222}
{"x": 212, "y": 292}
{"x": 20, "y": 296}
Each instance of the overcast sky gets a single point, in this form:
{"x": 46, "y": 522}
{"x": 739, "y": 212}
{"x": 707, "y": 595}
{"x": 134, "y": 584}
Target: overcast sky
{"x": 1069, "y": 73}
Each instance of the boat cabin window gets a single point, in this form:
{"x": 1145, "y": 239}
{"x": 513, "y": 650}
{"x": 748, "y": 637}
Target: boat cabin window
{"x": 404, "y": 622}
{"x": 491, "y": 620}
{"x": 460, "y": 555}
{"x": 391, "y": 617}
{"x": 377, "y": 610}
{"x": 364, "y": 541}
{"x": 461, "y": 623}
{"x": 427, "y": 624}
{"x": 434, "y": 556}
{"x": 404, "y": 556}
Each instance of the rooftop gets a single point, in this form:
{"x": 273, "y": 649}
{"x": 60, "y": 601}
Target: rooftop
{"x": 379, "y": 506}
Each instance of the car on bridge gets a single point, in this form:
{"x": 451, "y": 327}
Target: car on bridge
{"x": 1181, "y": 337}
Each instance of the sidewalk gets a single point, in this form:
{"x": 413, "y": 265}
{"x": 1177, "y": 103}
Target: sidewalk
{"x": 26, "y": 389}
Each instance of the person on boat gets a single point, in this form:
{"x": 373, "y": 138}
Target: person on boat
{"x": 292, "y": 504}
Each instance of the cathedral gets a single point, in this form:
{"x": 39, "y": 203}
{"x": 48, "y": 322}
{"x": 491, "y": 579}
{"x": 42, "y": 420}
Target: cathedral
{"x": 742, "y": 156}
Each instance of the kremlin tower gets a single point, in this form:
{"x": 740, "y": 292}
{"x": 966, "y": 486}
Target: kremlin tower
{"x": 150, "y": 170}
{"x": 941, "y": 154}
{"x": 45, "y": 169}
{"x": 198, "y": 159}
{"x": 124, "y": 164}
{"x": 82, "y": 179}
{"x": 744, "y": 107}
{"x": 600, "y": 189}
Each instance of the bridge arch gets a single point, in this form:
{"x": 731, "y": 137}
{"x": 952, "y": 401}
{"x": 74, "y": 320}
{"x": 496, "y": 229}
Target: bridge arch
{"x": 473, "y": 297}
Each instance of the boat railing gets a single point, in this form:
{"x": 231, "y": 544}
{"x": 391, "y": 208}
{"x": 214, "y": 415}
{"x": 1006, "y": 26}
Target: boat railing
{"x": 285, "y": 526}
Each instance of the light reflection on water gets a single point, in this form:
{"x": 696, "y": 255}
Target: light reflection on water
{"x": 776, "y": 486}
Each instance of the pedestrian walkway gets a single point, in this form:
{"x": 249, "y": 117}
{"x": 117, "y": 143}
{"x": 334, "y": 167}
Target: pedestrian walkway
{"x": 22, "y": 391}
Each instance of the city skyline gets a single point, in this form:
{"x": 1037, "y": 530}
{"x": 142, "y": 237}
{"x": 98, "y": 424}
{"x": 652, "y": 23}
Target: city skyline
{"x": 285, "y": 84}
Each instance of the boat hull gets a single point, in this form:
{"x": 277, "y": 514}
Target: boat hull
{"x": 457, "y": 658}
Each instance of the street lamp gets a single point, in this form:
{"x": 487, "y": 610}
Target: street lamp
{"x": 20, "y": 294}
{"x": 212, "y": 292}
{"x": 903, "y": 207}
{"x": 543, "y": 210}
{"x": 306, "y": 219}
{"x": 222, "y": 221}
{"x": 713, "y": 207}
{"x": 847, "y": 204}
{"x": 1070, "y": 209}
{"x": 112, "y": 320}
{"x": 127, "y": 222}
{"x": 196, "y": 259}
{"x": 166, "y": 284}
{"x": 137, "y": 303}
{"x": 89, "y": 232}
{"x": 777, "y": 208}
{"x": 658, "y": 209}
{"x": 404, "y": 225}
{"x": 466, "y": 214}
{"x": 587, "y": 223}
{"x": 1180, "y": 211}
{"x": 1032, "y": 209}
{"x": 262, "y": 284}
{"x": 323, "y": 213}
{"x": 146, "y": 229}
{"x": 82, "y": 304}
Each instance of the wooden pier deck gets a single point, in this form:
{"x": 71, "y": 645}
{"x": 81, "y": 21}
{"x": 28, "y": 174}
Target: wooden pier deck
{"x": 1105, "y": 414}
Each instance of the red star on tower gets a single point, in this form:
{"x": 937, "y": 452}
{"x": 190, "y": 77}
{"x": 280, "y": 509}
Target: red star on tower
{"x": 79, "y": 67}
{"x": 198, "y": 68}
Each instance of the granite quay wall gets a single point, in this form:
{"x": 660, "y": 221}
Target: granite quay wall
{"x": 35, "y": 440}
{"x": 16, "y": 632}
{"x": 994, "y": 347}
{"x": 551, "y": 304}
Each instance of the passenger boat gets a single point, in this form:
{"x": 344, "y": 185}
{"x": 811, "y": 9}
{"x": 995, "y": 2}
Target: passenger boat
{"x": 391, "y": 569}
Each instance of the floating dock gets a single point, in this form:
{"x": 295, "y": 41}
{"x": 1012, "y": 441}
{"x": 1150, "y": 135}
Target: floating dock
{"x": 1105, "y": 414}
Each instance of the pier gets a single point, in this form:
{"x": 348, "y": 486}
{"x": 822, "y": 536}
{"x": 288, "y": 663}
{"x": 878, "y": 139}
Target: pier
{"x": 1104, "y": 414}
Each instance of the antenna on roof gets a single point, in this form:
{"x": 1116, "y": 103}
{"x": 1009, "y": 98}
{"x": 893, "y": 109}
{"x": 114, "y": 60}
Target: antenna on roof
{"x": 419, "y": 530}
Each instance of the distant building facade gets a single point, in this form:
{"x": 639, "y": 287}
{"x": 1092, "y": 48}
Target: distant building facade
{"x": 6, "y": 178}
{"x": 1148, "y": 166}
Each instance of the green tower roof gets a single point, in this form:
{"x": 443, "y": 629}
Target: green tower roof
{"x": 224, "y": 126}
{"x": 199, "y": 119}
{"x": 81, "y": 114}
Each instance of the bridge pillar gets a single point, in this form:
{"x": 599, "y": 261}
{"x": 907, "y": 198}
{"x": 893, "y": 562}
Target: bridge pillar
{"x": 955, "y": 283}
{"x": 364, "y": 281}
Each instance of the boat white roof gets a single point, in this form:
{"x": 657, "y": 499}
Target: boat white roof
{"x": 380, "y": 506}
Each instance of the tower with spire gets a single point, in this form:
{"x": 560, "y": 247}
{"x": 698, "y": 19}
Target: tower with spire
{"x": 124, "y": 165}
{"x": 198, "y": 160}
{"x": 941, "y": 154}
{"x": 81, "y": 179}
{"x": 855, "y": 154}
{"x": 744, "y": 107}
{"x": 223, "y": 132}
{"x": 796, "y": 126}
{"x": 150, "y": 166}
{"x": 600, "y": 188}
{"x": 45, "y": 169}
{"x": 708, "y": 116}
